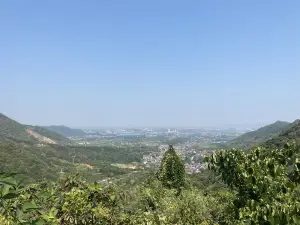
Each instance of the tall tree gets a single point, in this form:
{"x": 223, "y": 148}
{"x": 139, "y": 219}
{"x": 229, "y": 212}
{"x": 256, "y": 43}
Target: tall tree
{"x": 171, "y": 172}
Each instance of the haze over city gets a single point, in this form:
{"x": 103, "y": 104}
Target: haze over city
{"x": 155, "y": 63}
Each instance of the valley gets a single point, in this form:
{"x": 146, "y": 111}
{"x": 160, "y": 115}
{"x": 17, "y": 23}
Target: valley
{"x": 131, "y": 166}
{"x": 101, "y": 154}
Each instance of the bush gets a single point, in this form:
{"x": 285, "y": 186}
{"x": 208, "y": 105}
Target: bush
{"x": 265, "y": 181}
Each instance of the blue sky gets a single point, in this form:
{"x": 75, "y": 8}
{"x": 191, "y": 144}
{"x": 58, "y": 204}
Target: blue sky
{"x": 150, "y": 63}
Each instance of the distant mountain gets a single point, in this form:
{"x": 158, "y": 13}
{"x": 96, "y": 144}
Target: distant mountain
{"x": 37, "y": 153}
{"x": 12, "y": 130}
{"x": 290, "y": 133}
{"x": 66, "y": 131}
{"x": 263, "y": 134}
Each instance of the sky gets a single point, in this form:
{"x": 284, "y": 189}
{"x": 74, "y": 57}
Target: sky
{"x": 150, "y": 63}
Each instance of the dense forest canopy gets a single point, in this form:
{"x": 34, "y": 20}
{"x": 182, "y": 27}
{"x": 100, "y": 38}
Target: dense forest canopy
{"x": 262, "y": 188}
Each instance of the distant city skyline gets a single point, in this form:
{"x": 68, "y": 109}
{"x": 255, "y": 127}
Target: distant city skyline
{"x": 174, "y": 126}
{"x": 228, "y": 126}
{"x": 150, "y": 63}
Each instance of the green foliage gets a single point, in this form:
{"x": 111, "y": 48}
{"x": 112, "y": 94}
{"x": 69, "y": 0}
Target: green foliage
{"x": 207, "y": 182}
{"x": 27, "y": 158}
{"x": 266, "y": 182}
{"x": 71, "y": 200}
{"x": 160, "y": 205}
{"x": 15, "y": 207}
{"x": 172, "y": 171}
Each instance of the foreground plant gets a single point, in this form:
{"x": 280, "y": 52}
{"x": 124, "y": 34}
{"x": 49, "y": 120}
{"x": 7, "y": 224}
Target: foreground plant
{"x": 266, "y": 182}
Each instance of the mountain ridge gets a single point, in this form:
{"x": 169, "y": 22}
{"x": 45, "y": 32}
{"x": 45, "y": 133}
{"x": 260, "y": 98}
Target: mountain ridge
{"x": 65, "y": 131}
{"x": 259, "y": 136}
{"x": 290, "y": 133}
{"x": 12, "y": 130}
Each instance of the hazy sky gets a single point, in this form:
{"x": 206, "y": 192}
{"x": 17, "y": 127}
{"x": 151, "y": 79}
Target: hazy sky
{"x": 158, "y": 62}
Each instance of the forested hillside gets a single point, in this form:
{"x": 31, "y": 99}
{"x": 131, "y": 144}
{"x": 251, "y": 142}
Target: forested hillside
{"x": 50, "y": 134}
{"x": 37, "y": 153}
{"x": 291, "y": 132}
{"x": 254, "y": 138}
{"x": 66, "y": 131}
{"x": 40, "y": 161}
{"x": 12, "y": 130}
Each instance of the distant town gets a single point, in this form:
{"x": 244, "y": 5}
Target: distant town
{"x": 190, "y": 143}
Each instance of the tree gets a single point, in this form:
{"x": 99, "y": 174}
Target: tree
{"x": 266, "y": 182}
{"x": 171, "y": 172}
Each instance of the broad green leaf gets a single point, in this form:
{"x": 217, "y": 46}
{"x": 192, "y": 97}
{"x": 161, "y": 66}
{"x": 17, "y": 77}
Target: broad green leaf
{"x": 8, "y": 181}
{"x": 5, "y": 189}
{"x": 29, "y": 205}
{"x": 10, "y": 196}
{"x": 39, "y": 222}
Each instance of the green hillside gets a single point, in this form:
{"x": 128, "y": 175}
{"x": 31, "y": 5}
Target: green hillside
{"x": 38, "y": 153}
{"x": 12, "y": 130}
{"x": 50, "y": 134}
{"x": 40, "y": 161}
{"x": 66, "y": 131}
{"x": 259, "y": 136}
{"x": 290, "y": 133}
